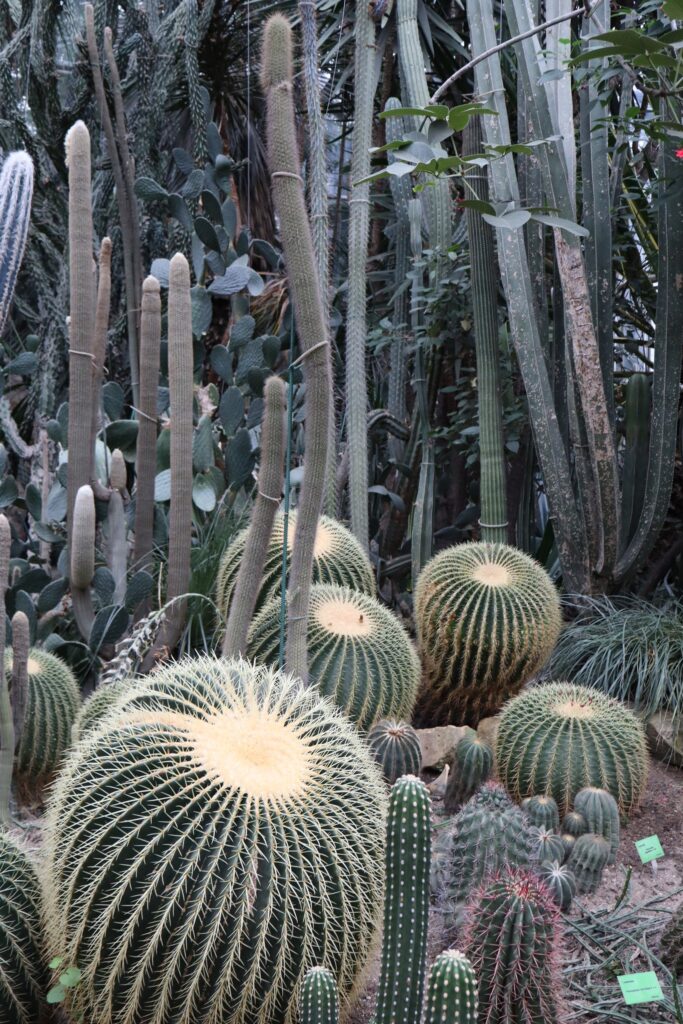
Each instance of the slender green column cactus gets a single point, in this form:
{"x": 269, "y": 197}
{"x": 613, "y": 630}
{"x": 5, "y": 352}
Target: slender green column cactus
{"x": 16, "y": 192}
{"x": 406, "y": 904}
{"x": 560, "y": 882}
{"x": 271, "y": 472}
{"x": 574, "y": 824}
{"x": 471, "y": 768}
{"x": 601, "y": 812}
{"x": 82, "y": 564}
{"x": 23, "y": 982}
{"x": 283, "y": 160}
{"x": 319, "y": 998}
{"x": 513, "y": 944}
{"x": 588, "y": 860}
{"x": 100, "y": 336}
{"x": 21, "y": 642}
{"x": 145, "y": 464}
{"x": 637, "y": 426}
{"x": 401, "y": 193}
{"x": 451, "y": 990}
{"x": 542, "y": 811}
{"x": 395, "y": 747}
{"x": 81, "y": 316}
{"x": 7, "y": 740}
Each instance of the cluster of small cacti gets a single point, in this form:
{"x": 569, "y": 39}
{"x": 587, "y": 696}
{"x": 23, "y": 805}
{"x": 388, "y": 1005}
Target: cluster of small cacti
{"x": 395, "y": 746}
{"x": 601, "y": 814}
{"x": 471, "y": 768}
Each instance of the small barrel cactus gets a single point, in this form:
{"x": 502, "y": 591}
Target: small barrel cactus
{"x": 359, "y": 654}
{"x": 254, "y": 808}
{"x": 451, "y": 990}
{"x": 319, "y": 998}
{"x": 471, "y": 768}
{"x": 22, "y": 977}
{"x": 559, "y": 738}
{"x": 487, "y": 619}
{"x": 560, "y": 881}
{"x": 96, "y": 706}
{"x": 587, "y": 861}
{"x": 568, "y": 842}
{"x": 395, "y": 747}
{"x": 513, "y": 943}
{"x": 52, "y": 704}
{"x": 546, "y": 845}
{"x": 406, "y": 904}
{"x": 574, "y": 824}
{"x": 600, "y": 810}
{"x": 338, "y": 558}
{"x": 492, "y": 795}
{"x": 542, "y": 811}
{"x": 672, "y": 944}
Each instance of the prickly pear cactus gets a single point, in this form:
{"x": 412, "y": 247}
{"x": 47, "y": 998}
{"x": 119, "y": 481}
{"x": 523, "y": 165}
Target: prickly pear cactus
{"x": 396, "y": 749}
{"x": 451, "y": 990}
{"x": 23, "y": 983}
{"x": 600, "y": 810}
{"x": 471, "y": 768}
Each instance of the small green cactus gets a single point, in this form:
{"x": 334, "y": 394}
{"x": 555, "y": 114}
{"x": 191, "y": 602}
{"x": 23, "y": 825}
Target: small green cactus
{"x": 542, "y": 811}
{"x": 672, "y": 944}
{"x": 559, "y": 738}
{"x": 600, "y": 810}
{"x": 561, "y": 883}
{"x": 568, "y": 842}
{"x": 319, "y": 998}
{"x": 513, "y": 943}
{"x": 359, "y": 654}
{"x": 395, "y": 747}
{"x": 574, "y": 824}
{"x": 23, "y": 981}
{"x": 471, "y": 768}
{"x": 451, "y": 990}
{"x": 93, "y": 710}
{"x": 588, "y": 860}
{"x": 487, "y": 619}
{"x": 406, "y": 904}
{"x": 546, "y": 845}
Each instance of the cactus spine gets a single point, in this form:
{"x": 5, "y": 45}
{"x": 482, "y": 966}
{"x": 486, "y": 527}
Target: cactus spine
{"x": 600, "y": 810}
{"x": 406, "y": 904}
{"x": 471, "y": 768}
{"x": 7, "y": 738}
{"x": 16, "y": 192}
{"x": 560, "y": 882}
{"x": 250, "y": 574}
{"x": 82, "y": 566}
{"x": 487, "y": 619}
{"x": 451, "y": 990}
{"x": 588, "y": 860}
{"x": 319, "y": 998}
{"x": 269, "y": 824}
{"x": 542, "y": 811}
{"x": 283, "y": 160}
{"x": 22, "y": 976}
{"x": 395, "y": 747}
{"x": 513, "y": 944}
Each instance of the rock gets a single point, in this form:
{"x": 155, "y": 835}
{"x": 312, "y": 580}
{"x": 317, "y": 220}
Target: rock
{"x": 487, "y": 730}
{"x": 665, "y": 744}
{"x": 437, "y": 788}
{"x": 438, "y": 744}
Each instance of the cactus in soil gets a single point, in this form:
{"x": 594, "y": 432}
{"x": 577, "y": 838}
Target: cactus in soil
{"x": 487, "y": 618}
{"x": 471, "y": 768}
{"x": 672, "y": 944}
{"x": 82, "y": 562}
{"x": 258, "y": 812}
{"x": 560, "y": 881}
{"x": 145, "y": 459}
{"x": 406, "y": 904}
{"x": 600, "y": 810}
{"x": 588, "y": 860}
{"x": 337, "y": 558}
{"x": 16, "y": 192}
{"x": 574, "y": 824}
{"x": 21, "y": 643}
{"x": 451, "y": 990}
{"x": 513, "y": 942}
{"x": 319, "y": 998}
{"x": 96, "y": 706}
{"x": 359, "y": 654}
{"x": 559, "y": 738}
{"x": 271, "y": 471}
{"x": 52, "y": 704}
{"x": 7, "y": 738}
{"x": 546, "y": 845}
{"x": 311, "y": 320}
{"x": 542, "y": 811}
{"x": 395, "y": 747}
{"x": 23, "y": 983}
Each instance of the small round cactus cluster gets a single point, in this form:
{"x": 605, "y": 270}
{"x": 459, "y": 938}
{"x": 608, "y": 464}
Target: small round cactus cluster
{"x": 96, "y": 707}
{"x": 451, "y": 990}
{"x": 471, "y": 768}
{"x": 559, "y": 738}
{"x": 22, "y": 977}
{"x": 487, "y": 617}
{"x": 395, "y": 747}
{"x": 52, "y": 704}
{"x": 600, "y": 811}
{"x": 188, "y": 829}
{"x": 359, "y": 654}
{"x": 587, "y": 861}
{"x": 338, "y": 558}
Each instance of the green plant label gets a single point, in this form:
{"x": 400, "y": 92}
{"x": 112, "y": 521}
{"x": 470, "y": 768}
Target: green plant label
{"x": 640, "y": 988}
{"x": 649, "y": 849}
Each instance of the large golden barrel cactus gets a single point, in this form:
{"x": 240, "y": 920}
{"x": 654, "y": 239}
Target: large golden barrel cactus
{"x": 22, "y": 972}
{"x": 488, "y": 617}
{"x": 208, "y": 844}
{"x": 359, "y": 654}
{"x": 337, "y": 558}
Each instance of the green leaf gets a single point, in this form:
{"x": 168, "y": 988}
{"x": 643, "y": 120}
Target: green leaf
{"x": 221, "y": 362}
{"x": 202, "y": 310}
{"x": 112, "y": 399}
{"x": 123, "y": 434}
{"x": 203, "y": 493}
{"x": 70, "y": 977}
{"x": 561, "y": 222}
{"x": 34, "y": 502}
{"x": 56, "y": 994}
{"x": 241, "y": 332}
{"x": 460, "y": 116}
{"x": 478, "y": 204}
{"x": 183, "y": 160}
{"x": 408, "y": 112}
{"x": 104, "y": 584}
{"x": 236, "y": 278}
{"x": 229, "y": 214}
{"x": 239, "y": 460}
{"x": 214, "y": 142}
{"x": 56, "y": 962}
{"x": 193, "y": 185}
{"x": 48, "y": 599}
{"x": 211, "y": 207}
{"x": 161, "y": 269}
{"x": 178, "y": 208}
{"x": 223, "y": 166}
{"x": 207, "y": 233}
{"x": 250, "y": 358}
{"x": 513, "y": 220}
{"x": 231, "y": 409}
{"x": 56, "y": 504}
{"x": 149, "y": 190}
{"x": 202, "y": 445}
{"x": 271, "y": 349}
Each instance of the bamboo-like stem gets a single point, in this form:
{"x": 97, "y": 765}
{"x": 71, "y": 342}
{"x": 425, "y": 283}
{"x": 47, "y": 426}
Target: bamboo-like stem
{"x": 21, "y": 641}
{"x": 100, "y": 337}
{"x": 7, "y": 738}
{"x": 145, "y": 464}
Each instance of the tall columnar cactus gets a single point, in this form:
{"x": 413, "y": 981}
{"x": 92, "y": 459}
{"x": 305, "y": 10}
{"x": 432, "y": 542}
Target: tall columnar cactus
{"x": 401, "y": 194}
{"x": 672, "y": 943}
{"x": 7, "y": 740}
{"x": 559, "y": 738}
{"x": 100, "y": 337}
{"x": 588, "y": 860}
{"x": 451, "y": 990}
{"x": 601, "y": 812}
{"x": 117, "y": 543}
{"x": 406, "y": 904}
{"x": 337, "y": 558}
{"x": 488, "y": 617}
{"x": 542, "y": 811}
{"x": 574, "y": 824}
{"x": 513, "y": 943}
{"x": 271, "y": 472}
{"x": 145, "y": 460}
{"x": 82, "y": 563}
{"x": 319, "y": 998}
{"x": 395, "y": 747}
{"x": 21, "y": 642}
{"x": 560, "y": 881}
{"x": 309, "y": 311}
{"x": 16, "y": 192}
{"x": 23, "y": 981}
{"x": 51, "y": 708}
{"x": 256, "y": 810}
{"x": 471, "y": 768}
{"x": 359, "y": 654}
